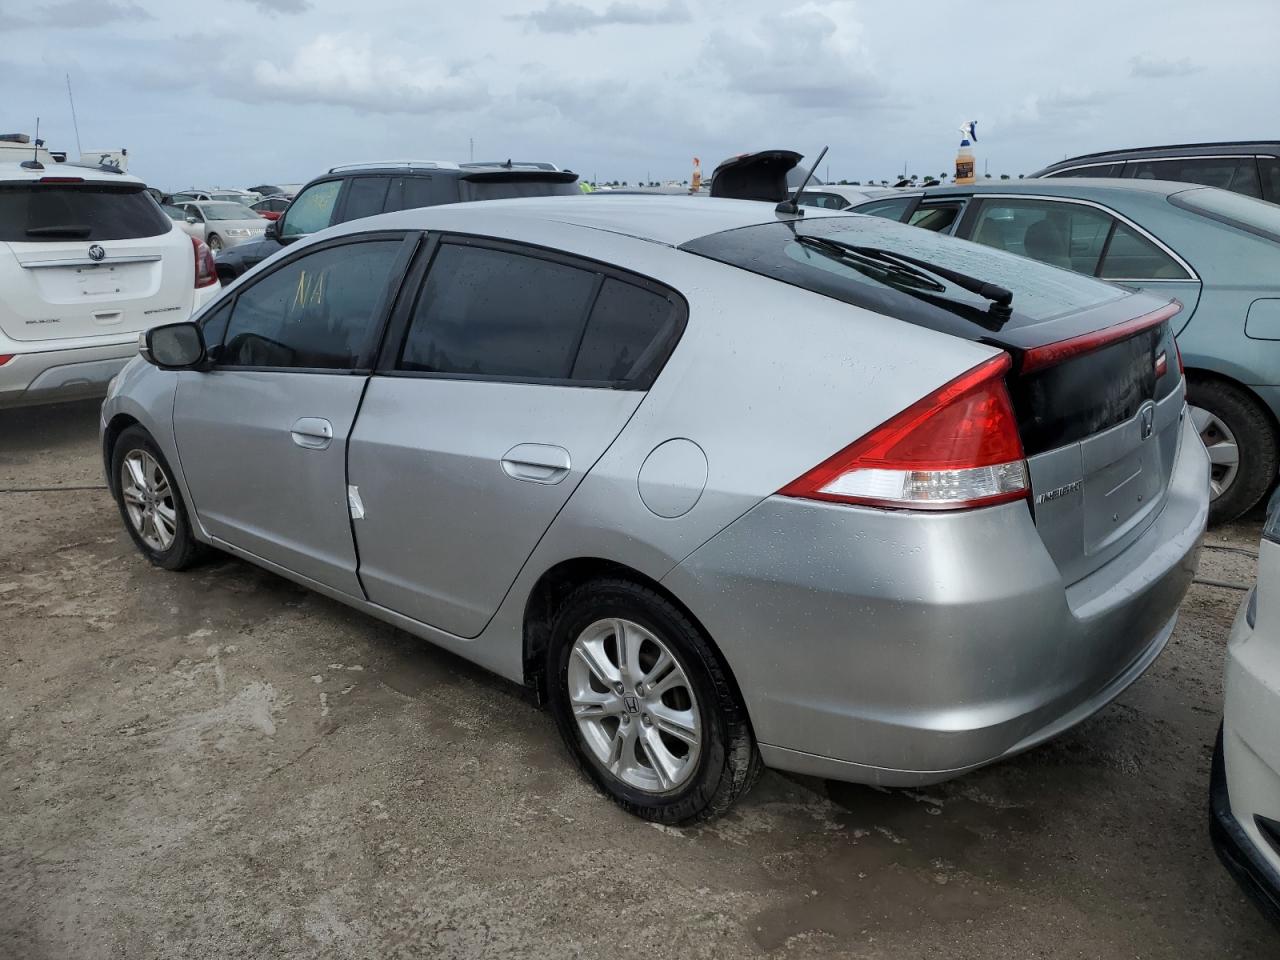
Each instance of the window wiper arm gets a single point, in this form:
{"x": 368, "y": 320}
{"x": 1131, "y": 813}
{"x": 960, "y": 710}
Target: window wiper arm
{"x": 66, "y": 230}
{"x": 1001, "y": 297}
{"x": 859, "y": 255}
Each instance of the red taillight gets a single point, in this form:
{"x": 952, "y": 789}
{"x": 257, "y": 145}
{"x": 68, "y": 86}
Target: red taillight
{"x": 1037, "y": 358}
{"x": 61, "y": 180}
{"x": 206, "y": 270}
{"x": 5, "y": 358}
{"x": 955, "y": 449}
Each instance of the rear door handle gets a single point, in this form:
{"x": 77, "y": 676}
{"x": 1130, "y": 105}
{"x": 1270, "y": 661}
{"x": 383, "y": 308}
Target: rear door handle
{"x": 313, "y": 433}
{"x": 536, "y": 463}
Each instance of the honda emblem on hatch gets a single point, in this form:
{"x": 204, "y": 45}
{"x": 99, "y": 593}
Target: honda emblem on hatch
{"x": 96, "y": 253}
{"x": 1147, "y": 420}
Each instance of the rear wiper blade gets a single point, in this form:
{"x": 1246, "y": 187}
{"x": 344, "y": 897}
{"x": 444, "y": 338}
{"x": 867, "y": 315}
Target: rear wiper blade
{"x": 1001, "y": 297}
{"x": 67, "y": 230}
{"x": 917, "y": 278}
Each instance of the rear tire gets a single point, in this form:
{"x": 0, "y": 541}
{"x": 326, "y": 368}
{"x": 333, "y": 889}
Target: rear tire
{"x": 150, "y": 503}
{"x": 1232, "y": 423}
{"x": 675, "y": 752}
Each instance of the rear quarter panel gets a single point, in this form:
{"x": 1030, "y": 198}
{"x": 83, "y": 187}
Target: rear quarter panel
{"x": 768, "y": 380}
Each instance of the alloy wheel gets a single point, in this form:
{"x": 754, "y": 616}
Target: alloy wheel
{"x": 1224, "y": 450}
{"x": 634, "y": 706}
{"x": 149, "y": 500}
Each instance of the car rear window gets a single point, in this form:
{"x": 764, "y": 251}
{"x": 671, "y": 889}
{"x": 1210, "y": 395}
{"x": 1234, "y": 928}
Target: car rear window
{"x": 57, "y": 212}
{"x": 773, "y": 250}
{"x": 1237, "y": 210}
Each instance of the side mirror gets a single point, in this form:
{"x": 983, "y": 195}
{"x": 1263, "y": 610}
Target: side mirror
{"x": 273, "y": 229}
{"x": 192, "y": 220}
{"x": 174, "y": 346}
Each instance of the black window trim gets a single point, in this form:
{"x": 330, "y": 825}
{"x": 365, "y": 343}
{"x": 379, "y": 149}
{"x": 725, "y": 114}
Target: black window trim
{"x": 410, "y": 241}
{"x": 415, "y": 282}
{"x": 1192, "y": 276}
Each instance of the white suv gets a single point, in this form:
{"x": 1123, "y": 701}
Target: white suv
{"x": 87, "y": 261}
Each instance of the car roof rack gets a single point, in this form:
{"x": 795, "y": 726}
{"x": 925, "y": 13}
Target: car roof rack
{"x": 407, "y": 164}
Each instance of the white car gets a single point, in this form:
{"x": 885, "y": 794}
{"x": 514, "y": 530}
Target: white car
{"x": 87, "y": 261}
{"x": 831, "y": 196}
{"x": 1245, "y": 786}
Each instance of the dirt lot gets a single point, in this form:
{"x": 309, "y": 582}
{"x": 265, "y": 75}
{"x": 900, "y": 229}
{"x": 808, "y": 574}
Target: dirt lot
{"x": 221, "y": 764}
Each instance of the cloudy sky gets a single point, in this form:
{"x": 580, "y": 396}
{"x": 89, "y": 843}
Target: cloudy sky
{"x": 234, "y": 92}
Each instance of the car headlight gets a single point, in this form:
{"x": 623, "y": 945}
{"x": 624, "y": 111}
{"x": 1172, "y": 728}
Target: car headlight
{"x": 238, "y": 231}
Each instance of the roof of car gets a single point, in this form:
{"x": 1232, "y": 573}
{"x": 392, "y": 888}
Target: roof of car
{"x": 1066, "y": 186}
{"x": 1139, "y": 152}
{"x": 665, "y": 219}
{"x": 15, "y": 171}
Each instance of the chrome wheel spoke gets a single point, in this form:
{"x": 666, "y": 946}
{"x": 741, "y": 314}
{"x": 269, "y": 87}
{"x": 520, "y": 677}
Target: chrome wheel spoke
{"x": 665, "y": 766}
{"x": 138, "y": 477}
{"x": 681, "y": 724}
{"x": 1224, "y": 454}
{"x": 592, "y": 704}
{"x": 597, "y": 661}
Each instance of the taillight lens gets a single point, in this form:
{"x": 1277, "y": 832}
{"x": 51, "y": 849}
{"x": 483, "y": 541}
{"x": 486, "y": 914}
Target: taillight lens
{"x": 957, "y": 448}
{"x": 1051, "y": 354}
{"x": 206, "y": 270}
{"x": 5, "y": 358}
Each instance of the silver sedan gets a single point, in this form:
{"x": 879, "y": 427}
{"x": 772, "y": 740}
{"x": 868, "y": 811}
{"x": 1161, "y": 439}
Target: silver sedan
{"x": 226, "y": 224}
{"x": 728, "y": 488}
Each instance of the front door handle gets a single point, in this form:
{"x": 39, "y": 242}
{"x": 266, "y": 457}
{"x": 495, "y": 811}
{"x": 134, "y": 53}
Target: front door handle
{"x": 313, "y": 433}
{"x": 536, "y": 463}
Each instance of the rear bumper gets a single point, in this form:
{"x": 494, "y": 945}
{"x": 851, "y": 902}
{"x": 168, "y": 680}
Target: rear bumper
{"x": 1237, "y": 850}
{"x": 902, "y": 648}
{"x": 52, "y": 376}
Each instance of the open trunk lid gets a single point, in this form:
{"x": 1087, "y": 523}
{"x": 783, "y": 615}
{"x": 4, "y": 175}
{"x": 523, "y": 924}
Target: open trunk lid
{"x": 83, "y": 259}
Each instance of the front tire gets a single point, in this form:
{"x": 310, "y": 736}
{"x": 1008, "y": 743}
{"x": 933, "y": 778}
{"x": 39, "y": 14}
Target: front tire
{"x": 646, "y": 706}
{"x": 150, "y": 504}
{"x": 1241, "y": 441}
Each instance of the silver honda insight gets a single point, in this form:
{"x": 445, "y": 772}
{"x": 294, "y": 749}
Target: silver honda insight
{"x": 728, "y": 487}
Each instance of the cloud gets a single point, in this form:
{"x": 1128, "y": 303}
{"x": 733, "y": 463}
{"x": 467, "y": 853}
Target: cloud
{"x": 559, "y": 16}
{"x": 813, "y": 57}
{"x": 282, "y": 6}
{"x": 75, "y": 14}
{"x": 1153, "y": 68}
{"x": 1065, "y": 109}
{"x": 351, "y": 71}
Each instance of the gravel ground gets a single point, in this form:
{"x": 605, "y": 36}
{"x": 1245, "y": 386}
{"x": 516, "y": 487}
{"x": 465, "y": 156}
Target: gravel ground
{"x": 221, "y": 764}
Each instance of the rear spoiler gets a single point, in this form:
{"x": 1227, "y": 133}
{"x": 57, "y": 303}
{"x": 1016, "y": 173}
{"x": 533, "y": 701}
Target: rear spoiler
{"x": 520, "y": 176}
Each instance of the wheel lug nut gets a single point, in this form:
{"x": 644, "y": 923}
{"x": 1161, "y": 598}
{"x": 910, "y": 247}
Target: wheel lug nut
{"x": 639, "y": 689}
{"x": 617, "y": 688}
{"x": 644, "y": 718}
{"x": 625, "y": 719}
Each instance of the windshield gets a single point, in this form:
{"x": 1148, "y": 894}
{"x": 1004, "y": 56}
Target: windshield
{"x": 232, "y": 197}
{"x": 227, "y": 211}
{"x": 778, "y": 250}
{"x": 40, "y": 212}
{"x": 1235, "y": 209}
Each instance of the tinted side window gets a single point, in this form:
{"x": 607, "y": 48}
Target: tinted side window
{"x": 213, "y": 326}
{"x": 489, "y": 312}
{"x": 365, "y": 197}
{"x": 938, "y": 217}
{"x": 311, "y": 210}
{"x": 1131, "y": 256}
{"x": 1237, "y": 174}
{"x": 891, "y": 209}
{"x": 1066, "y": 235}
{"x": 409, "y": 192}
{"x": 630, "y": 334}
{"x": 1269, "y": 168}
{"x": 828, "y": 201}
{"x": 316, "y": 312}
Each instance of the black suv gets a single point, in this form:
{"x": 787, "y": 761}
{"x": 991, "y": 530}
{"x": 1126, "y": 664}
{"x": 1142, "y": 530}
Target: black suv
{"x": 365, "y": 189}
{"x": 1251, "y": 167}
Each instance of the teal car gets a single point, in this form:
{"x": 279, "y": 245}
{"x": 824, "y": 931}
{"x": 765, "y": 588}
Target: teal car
{"x": 1216, "y": 252}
